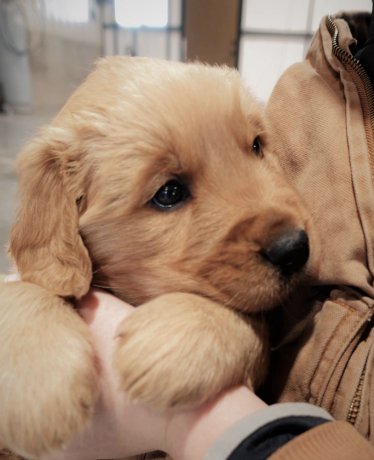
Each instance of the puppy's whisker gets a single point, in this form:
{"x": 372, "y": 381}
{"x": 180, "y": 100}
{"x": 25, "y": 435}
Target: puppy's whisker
{"x": 106, "y": 287}
{"x": 237, "y": 297}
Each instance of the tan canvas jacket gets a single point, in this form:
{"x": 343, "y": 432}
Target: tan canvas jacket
{"x": 322, "y": 113}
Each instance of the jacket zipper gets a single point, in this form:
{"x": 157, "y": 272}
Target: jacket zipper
{"x": 366, "y": 93}
{"x": 363, "y": 85}
{"x": 356, "y": 401}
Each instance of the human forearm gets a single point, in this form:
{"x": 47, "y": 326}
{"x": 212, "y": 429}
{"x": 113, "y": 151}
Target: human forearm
{"x": 190, "y": 434}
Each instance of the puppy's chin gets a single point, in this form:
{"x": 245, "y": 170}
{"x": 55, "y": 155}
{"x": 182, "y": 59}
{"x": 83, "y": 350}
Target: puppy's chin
{"x": 253, "y": 286}
{"x": 238, "y": 291}
{"x": 245, "y": 297}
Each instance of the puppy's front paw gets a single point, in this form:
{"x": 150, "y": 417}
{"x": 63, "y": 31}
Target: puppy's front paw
{"x": 48, "y": 381}
{"x": 181, "y": 350}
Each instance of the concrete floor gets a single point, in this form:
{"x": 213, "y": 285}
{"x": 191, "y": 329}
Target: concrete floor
{"x": 15, "y": 129}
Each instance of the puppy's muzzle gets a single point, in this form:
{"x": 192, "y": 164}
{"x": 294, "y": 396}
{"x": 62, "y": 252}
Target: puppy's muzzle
{"x": 289, "y": 252}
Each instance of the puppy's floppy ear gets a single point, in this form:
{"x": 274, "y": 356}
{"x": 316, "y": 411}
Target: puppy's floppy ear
{"x": 44, "y": 241}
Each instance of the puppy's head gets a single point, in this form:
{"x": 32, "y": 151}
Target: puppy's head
{"x": 160, "y": 177}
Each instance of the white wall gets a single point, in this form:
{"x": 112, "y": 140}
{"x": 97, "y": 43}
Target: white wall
{"x": 72, "y": 43}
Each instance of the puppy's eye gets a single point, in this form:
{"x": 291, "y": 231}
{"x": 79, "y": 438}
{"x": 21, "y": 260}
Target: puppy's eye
{"x": 170, "y": 194}
{"x": 257, "y": 147}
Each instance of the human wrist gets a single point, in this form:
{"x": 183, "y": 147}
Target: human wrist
{"x": 190, "y": 434}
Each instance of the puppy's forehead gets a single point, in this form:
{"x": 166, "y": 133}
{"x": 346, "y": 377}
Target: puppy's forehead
{"x": 165, "y": 111}
{"x": 155, "y": 93}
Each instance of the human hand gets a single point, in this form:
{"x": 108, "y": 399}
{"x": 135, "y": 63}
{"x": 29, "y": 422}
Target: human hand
{"x": 120, "y": 428}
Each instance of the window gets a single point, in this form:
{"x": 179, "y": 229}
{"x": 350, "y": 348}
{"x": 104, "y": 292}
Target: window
{"x": 149, "y": 13}
{"x": 277, "y": 33}
{"x": 151, "y": 28}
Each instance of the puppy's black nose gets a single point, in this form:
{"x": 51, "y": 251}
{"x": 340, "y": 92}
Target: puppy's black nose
{"x": 289, "y": 253}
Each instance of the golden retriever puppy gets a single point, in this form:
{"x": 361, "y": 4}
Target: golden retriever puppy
{"x": 157, "y": 182}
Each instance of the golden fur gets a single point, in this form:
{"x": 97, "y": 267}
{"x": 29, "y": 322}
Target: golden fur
{"x": 85, "y": 217}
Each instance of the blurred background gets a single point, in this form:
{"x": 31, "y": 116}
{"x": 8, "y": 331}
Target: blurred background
{"x": 47, "y": 47}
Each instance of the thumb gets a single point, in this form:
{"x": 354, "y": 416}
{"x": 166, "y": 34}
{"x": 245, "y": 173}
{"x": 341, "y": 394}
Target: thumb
{"x": 12, "y": 277}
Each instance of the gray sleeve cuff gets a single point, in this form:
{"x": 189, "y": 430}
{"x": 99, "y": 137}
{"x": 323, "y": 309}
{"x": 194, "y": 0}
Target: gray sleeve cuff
{"x": 230, "y": 440}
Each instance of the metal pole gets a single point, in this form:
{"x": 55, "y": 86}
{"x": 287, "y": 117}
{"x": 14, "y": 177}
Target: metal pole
{"x": 183, "y": 43}
{"x": 239, "y": 33}
{"x": 168, "y": 38}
